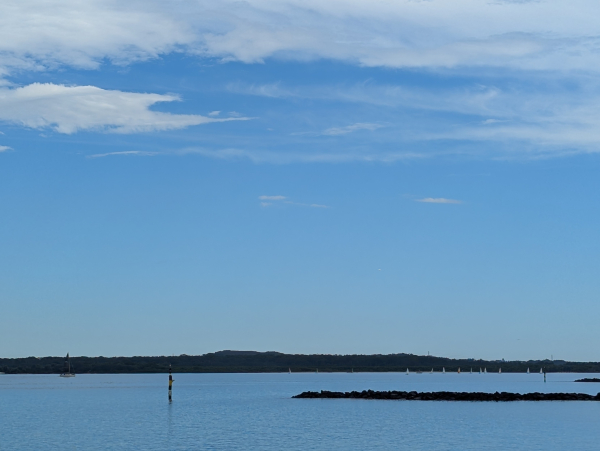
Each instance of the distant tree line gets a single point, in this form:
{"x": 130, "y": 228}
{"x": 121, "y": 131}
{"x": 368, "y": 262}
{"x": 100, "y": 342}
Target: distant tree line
{"x": 272, "y": 362}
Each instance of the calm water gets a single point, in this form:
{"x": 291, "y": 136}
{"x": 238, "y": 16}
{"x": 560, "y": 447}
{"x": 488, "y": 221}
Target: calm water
{"x": 254, "y": 411}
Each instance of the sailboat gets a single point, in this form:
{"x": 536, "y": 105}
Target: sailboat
{"x": 527, "y": 370}
{"x": 471, "y": 370}
{"x": 479, "y": 370}
{"x": 290, "y": 370}
{"x": 459, "y": 371}
{"x": 444, "y": 370}
{"x": 431, "y": 372}
{"x": 499, "y": 370}
{"x": 407, "y": 371}
{"x": 485, "y": 370}
{"x": 67, "y": 369}
{"x": 541, "y": 371}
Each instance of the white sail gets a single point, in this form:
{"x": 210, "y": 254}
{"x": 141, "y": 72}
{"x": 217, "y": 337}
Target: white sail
{"x": 485, "y": 370}
{"x": 527, "y": 370}
{"x": 407, "y": 371}
{"x": 431, "y": 370}
{"x": 500, "y": 371}
{"x": 67, "y": 371}
{"x": 459, "y": 371}
{"x": 444, "y": 370}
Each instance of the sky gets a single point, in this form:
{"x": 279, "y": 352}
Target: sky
{"x": 340, "y": 177}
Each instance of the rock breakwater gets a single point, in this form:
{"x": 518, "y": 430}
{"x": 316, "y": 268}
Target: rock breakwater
{"x": 448, "y": 396}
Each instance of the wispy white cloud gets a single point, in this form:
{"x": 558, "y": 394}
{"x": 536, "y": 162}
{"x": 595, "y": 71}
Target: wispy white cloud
{"x": 4, "y": 148}
{"x": 300, "y": 204}
{"x": 36, "y": 34}
{"x": 68, "y": 109}
{"x": 438, "y": 200}
{"x": 551, "y": 118}
{"x": 274, "y": 90}
{"x": 530, "y": 38}
{"x": 272, "y": 197}
{"x": 334, "y": 131}
{"x": 40, "y": 34}
{"x": 284, "y": 200}
{"x": 273, "y": 157}
{"x": 139, "y": 153}
{"x": 214, "y": 113}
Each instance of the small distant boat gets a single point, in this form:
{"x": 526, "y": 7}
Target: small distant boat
{"x": 407, "y": 371}
{"x": 419, "y": 372}
{"x": 541, "y": 372}
{"x": 499, "y": 370}
{"x": 527, "y": 370}
{"x": 480, "y": 370}
{"x": 459, "y": 371}
{"x": 485, "y": 370}
{"x": 471, "y": 370}
{"x": 290, "y": 370}
{"x": 67, "y": 370}
{"x": 431, "y": 372}
{"x": 443, "y": 370}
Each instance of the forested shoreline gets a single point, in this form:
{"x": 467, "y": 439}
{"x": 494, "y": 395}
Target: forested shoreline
{"x": 272, "y": 362}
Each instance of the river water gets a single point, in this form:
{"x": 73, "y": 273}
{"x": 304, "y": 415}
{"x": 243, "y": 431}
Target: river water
{"x": 255, "y": 411}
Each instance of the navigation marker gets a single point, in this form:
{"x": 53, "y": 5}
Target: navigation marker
{"x": 170, "y": 383}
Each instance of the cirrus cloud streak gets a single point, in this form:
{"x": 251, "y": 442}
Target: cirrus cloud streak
{"x": 438, "y": 200}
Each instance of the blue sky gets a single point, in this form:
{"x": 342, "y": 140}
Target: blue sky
{"x": 307, "y": 177}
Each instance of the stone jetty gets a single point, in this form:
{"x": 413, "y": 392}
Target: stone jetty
{"x": 447, "y": 396}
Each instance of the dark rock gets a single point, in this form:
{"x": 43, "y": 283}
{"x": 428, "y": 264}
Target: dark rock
{"x": 448, "y": 396}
